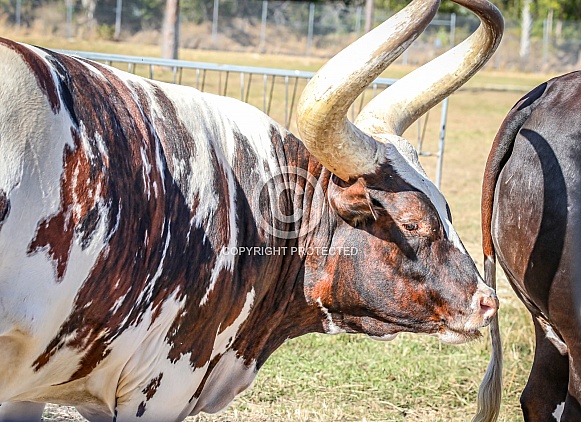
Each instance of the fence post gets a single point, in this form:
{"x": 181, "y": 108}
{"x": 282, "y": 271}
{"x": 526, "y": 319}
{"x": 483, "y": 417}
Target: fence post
{"x": 369, "y": 6}
{"x": 452, "y": 30}
{"x": 69, "y": 4}
{"x": 263, "y": 26}
{"x": 526, "y": 25}
{"x": 545, "y": 42}
{"x": 547, "y": 32}
{"x": 170, "y": 30}
{"x": 215, "y": 22}
{"x": 310, "y": 30}
{"x": 18, "y": 13}
{"x": 440, "y": 164}
{"x": 118, "y": 20}
{"x": 358, "y": 15}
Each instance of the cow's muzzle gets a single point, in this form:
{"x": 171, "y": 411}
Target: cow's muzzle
{"x": 483, "y": 307}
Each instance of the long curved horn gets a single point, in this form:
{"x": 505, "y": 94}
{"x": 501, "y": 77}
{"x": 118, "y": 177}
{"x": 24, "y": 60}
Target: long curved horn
{"x": 395, "y": 109}
{"x": 322, "y": 109}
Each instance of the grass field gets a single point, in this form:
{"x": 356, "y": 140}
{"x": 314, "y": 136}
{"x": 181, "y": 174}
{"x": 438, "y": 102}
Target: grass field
{"x": 413, "y": 378}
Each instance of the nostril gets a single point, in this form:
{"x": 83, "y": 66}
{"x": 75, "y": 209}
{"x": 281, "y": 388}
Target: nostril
{"x": 488, "y": 306}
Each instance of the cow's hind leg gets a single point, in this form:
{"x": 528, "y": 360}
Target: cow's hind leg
{"x": 572, "y": 410}
{"x": 21, "y": 411}
{"x": 546, "y": 390}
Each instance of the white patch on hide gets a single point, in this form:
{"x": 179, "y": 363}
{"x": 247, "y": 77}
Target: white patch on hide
{"x": 552, "y": 336}
{"x": 559, "y": 411}
{"x": 329, "y": 326}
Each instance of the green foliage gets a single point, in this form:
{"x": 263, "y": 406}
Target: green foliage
{"x": 566, "y": 10}
{"x": 106, "y": 32}
{"x": 137, "y": 14}
{"x": 8, "y": 9}
{"x": 446, "y": 6}
{"x": 148, "y": 14}
{"x": 195, "y": 11}
{"x": 570, "y": 9}
{"x": 562, "y": 9}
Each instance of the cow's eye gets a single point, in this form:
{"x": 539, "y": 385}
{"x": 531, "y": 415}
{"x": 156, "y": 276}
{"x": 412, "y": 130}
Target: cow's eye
{"x": 410, "y": 226}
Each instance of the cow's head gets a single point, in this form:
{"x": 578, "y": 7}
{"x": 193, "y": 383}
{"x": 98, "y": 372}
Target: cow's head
{"x": 407, "y": 269}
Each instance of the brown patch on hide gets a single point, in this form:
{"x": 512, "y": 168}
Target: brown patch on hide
{"x": 152, "y": 387}
{"x": 149, "y": 392}
{"x": 134, "y": 227}
{"x": 78, "y": 214}
{"x": 4, "y": 207}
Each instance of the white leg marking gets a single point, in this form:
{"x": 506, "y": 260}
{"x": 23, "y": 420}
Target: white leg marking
{"x": 559, "y": 411}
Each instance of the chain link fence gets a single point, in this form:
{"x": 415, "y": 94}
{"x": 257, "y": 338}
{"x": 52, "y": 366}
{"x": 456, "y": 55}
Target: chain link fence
{"x": 283, "y": 27}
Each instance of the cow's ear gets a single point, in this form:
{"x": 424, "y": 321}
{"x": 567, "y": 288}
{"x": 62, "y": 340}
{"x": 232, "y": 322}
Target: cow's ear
{"x": 351, "y": 200}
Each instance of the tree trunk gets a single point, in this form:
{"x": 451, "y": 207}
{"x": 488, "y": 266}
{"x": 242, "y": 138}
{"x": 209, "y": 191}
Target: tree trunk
{"x": 368, "y": 15}
{"x": 525, "y": 37}
{"x": 87, "y": 23}
{"x": 170, "y": 30}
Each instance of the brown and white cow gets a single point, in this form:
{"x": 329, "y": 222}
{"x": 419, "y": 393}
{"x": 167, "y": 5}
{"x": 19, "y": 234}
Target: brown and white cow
{"x": 157, "y": 243}
{"x": 531, "y": 209}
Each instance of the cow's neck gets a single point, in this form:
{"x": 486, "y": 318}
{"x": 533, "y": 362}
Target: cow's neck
{"x": 282, "y": 312}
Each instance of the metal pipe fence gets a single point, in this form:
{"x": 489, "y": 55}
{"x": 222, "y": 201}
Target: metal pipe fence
{"x": 274, "y": 91}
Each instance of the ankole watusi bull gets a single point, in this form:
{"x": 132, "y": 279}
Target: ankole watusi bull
{"x": 157, "y": 244}
{"x": 531, "y": 209}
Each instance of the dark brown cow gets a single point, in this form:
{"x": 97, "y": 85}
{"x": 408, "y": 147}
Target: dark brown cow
{"x": 157, "y": 243}
{"x": 531, "y": 217}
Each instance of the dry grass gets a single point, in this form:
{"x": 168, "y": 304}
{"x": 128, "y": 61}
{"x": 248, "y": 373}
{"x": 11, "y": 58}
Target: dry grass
{"x": 414, "y": 378}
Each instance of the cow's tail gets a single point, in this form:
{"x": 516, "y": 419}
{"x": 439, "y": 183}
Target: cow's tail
{"x": 490, "y": 392}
